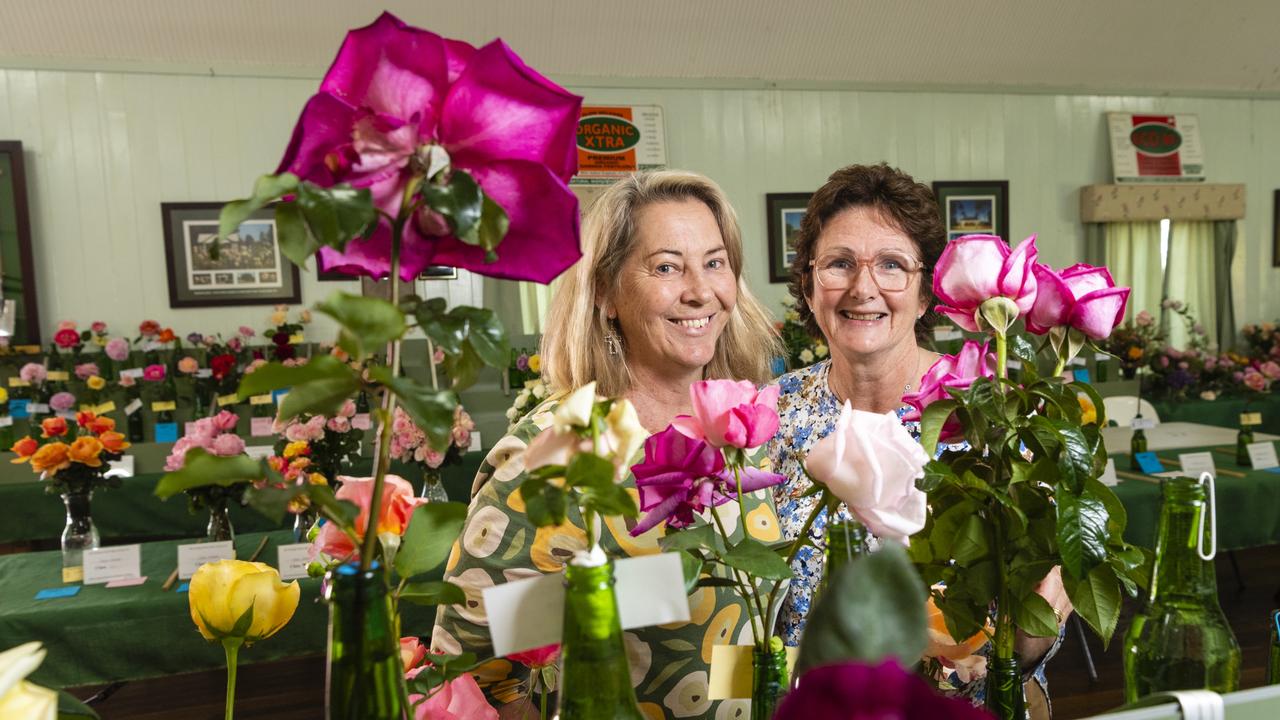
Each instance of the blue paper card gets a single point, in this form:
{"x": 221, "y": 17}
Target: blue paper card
{"x": 166, "y": 432}
{"x": 1275, "y": 470}
{"x": 184, "y": 587}
{"x": 278, "y": 395}
{"x": 1082, "y": 375}
{"x": 18, "y": 409}
{"x": 1149, "y": 463}
{"x": 59, "y": 592}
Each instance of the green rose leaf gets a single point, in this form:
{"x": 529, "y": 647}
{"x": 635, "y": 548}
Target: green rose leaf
{"x": 429, "y": 537}
{"x": 367, "y": 323}
{"x": 753, "y": 558}
{"x": 932, "y": 420}
{"x": 1096, "y": 598}
{"x": 460, "y": 201}
{"x": 275, "y": 376}
{"x": 1082, "y": 531}
{"x": 445, "y": 329}
{"x": 692, "y": 538}
{"x": 485, "y": 334}
{"x": 266, "y": 189}
{"x": 586, "y": 470}
{"x": 70, "y": 708}
{"x": 494, "y": 224}
{"x": 875, "y": 608}
{"x": 691, "y": 567}
{"x": 202, "y": 469}
{"x": 435, "y": 592}
{"x": 1035, "y": 616}
{"x": 971, "y": 543}
{"x": 545, "y": 504}
{"x": 296, "y": 241}
{"x": 337, "y": 214}
{"x": 610, "y": 500}
{"x": 441, "y": 670}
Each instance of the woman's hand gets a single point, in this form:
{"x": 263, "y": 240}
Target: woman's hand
{"x": 1032, "y": 649}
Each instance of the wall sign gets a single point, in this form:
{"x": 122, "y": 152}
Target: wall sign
{"x": 1155, "y": 148}
{"x": 614, "y": 141}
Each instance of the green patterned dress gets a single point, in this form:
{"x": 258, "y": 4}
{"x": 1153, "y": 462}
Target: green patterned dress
{"x": 669, "y": 663}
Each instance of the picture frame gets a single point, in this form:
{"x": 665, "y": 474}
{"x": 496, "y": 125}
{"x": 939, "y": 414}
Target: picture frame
{"x": 431, "y": 272}
{"x": 17, "y": 262}
{"x": 1275, "y": 231}
{"x": 250, "y": 269}
{"x": 783, "y": 213}
{"x": 973, "y": 207}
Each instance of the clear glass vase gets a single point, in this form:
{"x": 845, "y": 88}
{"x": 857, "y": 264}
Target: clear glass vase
{"x": 365, "y": 677}
{"x": 768, "y": 680}
{"x": 220, "y": 528}
{"x": 302, "y": 523}
{"x": 595, "y": 680}
{"x": 433, "y": 486}
{"x": 79, "y": 534}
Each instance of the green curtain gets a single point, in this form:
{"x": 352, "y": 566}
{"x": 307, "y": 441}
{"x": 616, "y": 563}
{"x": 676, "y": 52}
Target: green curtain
{"x": 1191, "y": 275}
{"x": 521, "y": 306}
{"x": 1131, "y": 250}
{"x": 1224, "y": 253}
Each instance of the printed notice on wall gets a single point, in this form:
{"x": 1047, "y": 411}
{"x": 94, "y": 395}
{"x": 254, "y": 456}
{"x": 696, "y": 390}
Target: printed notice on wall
{"x": 1155, "y": 148}
{"x": 614, "y": 141}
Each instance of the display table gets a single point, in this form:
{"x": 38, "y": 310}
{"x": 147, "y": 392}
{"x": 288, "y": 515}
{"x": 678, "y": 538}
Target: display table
{"x": 1175, "y": 435}
{"x": 28, "y": 513}
{"x": 1248, "y": 507}
{"x": 1223, "y": 412}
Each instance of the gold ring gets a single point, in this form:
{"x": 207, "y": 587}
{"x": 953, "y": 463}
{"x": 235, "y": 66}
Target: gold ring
{"x": 1058, "y": 615}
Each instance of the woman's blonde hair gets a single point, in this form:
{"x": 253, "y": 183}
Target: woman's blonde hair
{"x": 574, "y": 349}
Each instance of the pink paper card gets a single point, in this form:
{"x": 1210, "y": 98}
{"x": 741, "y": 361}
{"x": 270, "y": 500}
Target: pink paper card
{"x": 127, "y": 582}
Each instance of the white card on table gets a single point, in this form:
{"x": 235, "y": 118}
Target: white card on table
{"x": 7, "y": 420}
{"x": 292, "y": 560}
{"x": 475, "y": 442}
{"x": 1077, "y": 360}
{"x": 1108, "y": 477}
{"x": 121, "y": 468}
{"x": 1142, "y": 423}
{"x": 260, "y": 426}
{"x": 1198, "y": 462}
{"x": 121, "y": 562}
{"x": 1101, "y": 357}
{"x": 34, "y": 408}
{"x": 133, "y": 407}
{"x": 193, "y": 555}
{"x": 258, "y": 452}
{"x": 1068, "y": 376}
{"x": 204, "y": 373}
{"x": 135, "y": 373}
{"x": 527, "y": 614}
{"x": 361, "y": 421}
{"x": 1262, "y": 455}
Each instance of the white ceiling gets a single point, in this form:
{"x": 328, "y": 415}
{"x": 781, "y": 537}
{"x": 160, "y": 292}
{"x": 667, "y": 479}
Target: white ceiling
{"x": 1196, "y": 47}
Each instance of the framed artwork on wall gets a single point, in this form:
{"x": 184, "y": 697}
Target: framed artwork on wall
{"x": 784, "y": 211}
{"x": 249, "y": 268}
{"x": 16, "y": 261}
{"x": 974, "y": 207}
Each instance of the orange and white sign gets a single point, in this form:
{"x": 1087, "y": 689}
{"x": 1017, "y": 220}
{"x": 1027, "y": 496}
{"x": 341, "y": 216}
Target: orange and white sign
{"x": 616, "y": 140}
{"x": 1155, "y": 148}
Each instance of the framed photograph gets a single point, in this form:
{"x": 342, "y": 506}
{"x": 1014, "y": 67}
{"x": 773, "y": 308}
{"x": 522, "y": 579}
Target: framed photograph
{"x": 974, "y": 207}
{"x": 17, "y": 264}
{"x": 784, "y": 213}
{"x": 1275, "y": 231}
{"x": 249, "y": 269}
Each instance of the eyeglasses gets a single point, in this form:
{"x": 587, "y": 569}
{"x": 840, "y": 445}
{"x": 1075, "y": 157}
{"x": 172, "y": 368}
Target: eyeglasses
{"x": 890, "y": 272}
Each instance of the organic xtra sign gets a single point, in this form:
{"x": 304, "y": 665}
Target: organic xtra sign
{"x": 1156, "y": 148}
{"x": 616, "y": 140}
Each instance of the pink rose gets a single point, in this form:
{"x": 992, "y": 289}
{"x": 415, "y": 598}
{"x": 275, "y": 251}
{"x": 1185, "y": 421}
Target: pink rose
{"x": 348, "y": 409}
{"x": 84, "y": 371}
{"x": 950, "y": 371}
{"x": 871, "y": 463}
{"x": 246, "y": 331}
{"x": 398, "y": 503}
{"x": 339, "y": 424}
{"x": 1144, "y": 319}
{"x": 259, "y": 362}
{"x": 227, "y": 444}
{"x": 537, "y": 657}
{"x": 117, "y": 349}
{"x": 98, "y": 327}
{"x": 178, "y": 455}
{"x": 62, "y": 402}
{"x": 729, "y": 413}
{"x": 1253, "y": 379}
{"x": 458, "y": 699}
{"x": 188, "y": 365}
{"x": 33, "y": 373}
{"x": 1081, "y": 296}
{"x": 977, "y": 268}
{"x": 1270, "y": 369}
{"x": 127, "y": 381}
{"x": 67, "y": 325}
{"x": 153, "y": 373}
{"x": 550, "y": 447}
{"x": 412, "y": 652}
{"x": 234, "y": 344}
{"x": 225, "y": 421}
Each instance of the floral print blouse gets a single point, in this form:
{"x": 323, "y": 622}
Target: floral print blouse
{"x": 670, "y": 664}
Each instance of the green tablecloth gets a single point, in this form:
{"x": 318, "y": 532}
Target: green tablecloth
{"x": 28, "y": 513}
{"x": 1223, "y": 412}
{"x": 1248, "y": 507}
{"x": 130, "y": 633}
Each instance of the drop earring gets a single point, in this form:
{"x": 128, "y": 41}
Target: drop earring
{"x": 612, "y": 343}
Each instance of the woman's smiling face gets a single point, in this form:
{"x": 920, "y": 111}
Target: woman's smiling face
{"x": 676, "y": 289}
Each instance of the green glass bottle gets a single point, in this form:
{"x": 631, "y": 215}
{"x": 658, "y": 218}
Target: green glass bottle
{"x": 1005, "y": 697}
{"x": 768, "y": 679}
{"x": 1181, "y": 639}
{"x": 6, "y": 427}
{"x": 1243, "y": 440}
{"x": 365, "y": 677}
{"x": 1137, "y": 444}
{"x": 846, "y": 540}
{"x": 1273, "y": 651}
{"x": 595, "y": 682}
{"x": 135, "y": 425}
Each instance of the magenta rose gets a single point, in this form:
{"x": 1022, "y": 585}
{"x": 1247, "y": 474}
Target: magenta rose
{"x": 857, "y": 691}
{"x": 394, "y": 93}
{"x": 977, "y": 268}
{"x": 66, "y": 338}
{"x": 950, "y": 371}
{"x": 98, "y": 327}
{"x": 1082, "y": 297}
{"x": 154, "y": 373}
{"x": 729, "y": 413}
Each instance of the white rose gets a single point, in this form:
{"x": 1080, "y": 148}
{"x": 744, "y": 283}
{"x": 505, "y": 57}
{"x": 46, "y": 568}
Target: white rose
{"x": 539, "y": 389}
{"x": 821, "y": 350}
{"x": 623, "y": 434}
{"x": 806, "y": 355}
{"x": 19, "y": 698}
{"x": 575, "y": 410}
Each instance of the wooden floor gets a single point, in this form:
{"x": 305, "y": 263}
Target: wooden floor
{"x": 294, "y": 689}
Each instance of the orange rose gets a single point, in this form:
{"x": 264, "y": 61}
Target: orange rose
{"x": 51, "y": 458}
{"x": 952, "y": 654}
{"x": 101, "y": 425}
{"x": 113, "y": 441}
{"x": 53, "y": 427}
{"x": 85, "y": 450}
{"x": 24, "y": 449}
{"x": 166, "y": 335}
{"x": 84, "y": 418}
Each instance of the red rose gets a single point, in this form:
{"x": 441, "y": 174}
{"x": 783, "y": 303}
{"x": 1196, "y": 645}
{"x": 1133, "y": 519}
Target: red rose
{"x": 149, "y": 328}
{"x": 221, "y": 365}
{"x": 66, "y": 338}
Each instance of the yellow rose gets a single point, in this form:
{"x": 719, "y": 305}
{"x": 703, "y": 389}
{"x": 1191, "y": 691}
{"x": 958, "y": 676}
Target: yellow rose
{"x": 51, "y": 458}
{"x": 85, "y": 450}
{"x": 4, "y": 395}
{"x": 96, "y": 383}
{"x": 535, "y": 363}
{"x": 295, "y": 448}
{"x": 19, "y": 698}
{"x": 223, "y": 593}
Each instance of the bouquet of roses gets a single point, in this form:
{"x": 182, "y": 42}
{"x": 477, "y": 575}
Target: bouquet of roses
{"x": 1262, "y": 340}
{"x": 212, "y": 436}
{"x": 1134, "y": 342}
{"x": 73, "y": 465}
{"x": 331, "y": 441}
{"x": 409, "y": 444}
{"x": 284, "y": 333}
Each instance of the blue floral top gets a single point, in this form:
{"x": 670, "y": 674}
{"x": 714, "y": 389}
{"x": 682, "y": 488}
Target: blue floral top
{"x": 807, "y": 412}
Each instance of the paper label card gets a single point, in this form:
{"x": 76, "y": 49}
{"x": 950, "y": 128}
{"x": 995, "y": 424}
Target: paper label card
{"x": 130, "y": 582}
{"x": 166, "y": 432}
{"x": 61, "y": 592}
{"x": 278, "y": 396}
{"x": 204, "y": 373}
{"x": 943, "y": 334}
{"x": 135, "y": 373}
{"x": 28, "y": 349}
{"x": 1149, "y": 463}
{"x": 105, "y": 408}
{"x": 6, "y": 420}
{"x": 296, "y": 339}
{"x": 225, "y": 400}
{"x": 260, "y": 427}
{"x": 133, "y": 407}
{"x": 1101, "y": 357}
{"x": 258, "y": 452}
{"x": 38, "y": 408}
{"x": 1253, "y": 418}
{"x": 731, "y": 670}
{"x": 1068, "y": 376}
{"x": 18, "y": 409}
{"x": 163, "y": 406}
{"x": 475, "y": 442}
{"x": 1197, "y": 462}
{"x": 121, "y": 468}
{"x": 67, "y": 415}
{"x": 58, "y": 376}
{"x": 192, "y": 555}
{"x": 292, "y": 560}
{"x": 260, "y": 399}
{"x": 73, "y": 574}
{"x": 1109, "y": 477}
{"x": 1142, "y": 423}
{"x": 122, "y": 562}
{"x": 361, "y": 421}
{"x": 1262, "y": 455}
{"x": 16, "y": 381}
{"x": 526, "y": 614}
{"x": 1082, "y": 375}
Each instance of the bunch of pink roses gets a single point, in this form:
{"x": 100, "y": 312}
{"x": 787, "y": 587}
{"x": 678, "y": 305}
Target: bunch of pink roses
{"x": 332, "y": 441}
{"x": 215, "y": 435}
{"x": 409, "y": 443}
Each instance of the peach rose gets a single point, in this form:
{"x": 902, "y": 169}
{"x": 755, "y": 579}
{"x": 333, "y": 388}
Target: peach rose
{"x": 398, "y": 503}
{"x": 53, "y": 427}
{"x": 51, "y": 458}
{"x": 85, "y": 450}
{"x": 959, "y": 656}
{"x": 113, "y": 441}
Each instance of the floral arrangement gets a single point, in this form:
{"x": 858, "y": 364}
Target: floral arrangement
{"x": 1135, "y": 342}
{"x": 409, "y": 443}
{"x": 529, "y": 396}
{"x": 526, "y": 365}
{"x": 215, "y": 436}
{"x": 73, "y": 459}
{"x": 294, "y": 467}
{"x": 1262, "y": 340}
{"x": 331, "y": 441}
{"x": 283, "y": 333}
{"x": 802, "y": 349}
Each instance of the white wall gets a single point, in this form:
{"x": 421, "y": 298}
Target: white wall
{"x": 105, "y": 149}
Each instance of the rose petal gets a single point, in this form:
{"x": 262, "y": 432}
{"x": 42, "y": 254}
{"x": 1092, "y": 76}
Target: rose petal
{"x": 963, "y": 318}
{"x": 968, "y": 271}
{"x": 1017, "y": 281}
{"x": 1054, "y": 301}
{"x": 1098, "y": 313}
{"x": 325, "y": 124}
